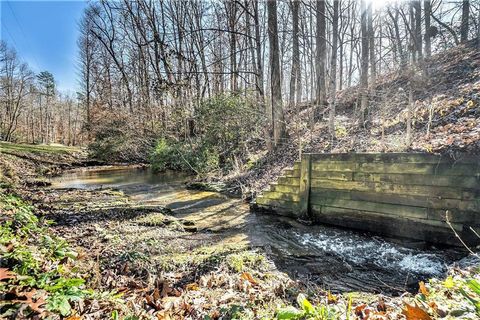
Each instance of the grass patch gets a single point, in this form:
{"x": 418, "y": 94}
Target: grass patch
{"x": 246, "y": 260}
{"x": 8, "y": 147}
{"x": 204, "y": 256}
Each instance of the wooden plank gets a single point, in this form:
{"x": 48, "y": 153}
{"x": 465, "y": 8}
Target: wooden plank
{"x": 275, "y": 195}
{"x": 408, "y": 200}
{"x": 419, "y": 229}
{"x": 471, "y": 182}
{"x": 468, "y": 218}
{"x": 395, "y": 210}
{"x": 425, "y": 230}
{"x": 291, "y": 173}
{"x": 284, "y": 188}
{"x": 305, "y": 174}
{"x": 396, "y": 158}
{"x": 379, "y": 187}
{"x": 333, "y": 175}
{"x": 273, "y": 209}
{"x": 443, "y": 169}
{"x": 365, "y": 215}
{"x": 277, "y": 203}
{"x": 421, "y": 168}
{"x": 289, "y": 181}
{"x": 335, "y": 166}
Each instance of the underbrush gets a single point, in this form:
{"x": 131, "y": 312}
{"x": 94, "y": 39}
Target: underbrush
{"x": 191, "y": 156}
{"x": 227, "y": 127}
{"x": 113, "y": 143}
{"x": 38, "y": 276}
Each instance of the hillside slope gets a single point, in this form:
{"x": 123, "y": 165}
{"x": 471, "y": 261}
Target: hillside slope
{"x": 446, "y": 117}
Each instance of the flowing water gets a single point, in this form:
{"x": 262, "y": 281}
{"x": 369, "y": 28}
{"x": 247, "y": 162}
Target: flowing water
{"x": 340, "y": 260}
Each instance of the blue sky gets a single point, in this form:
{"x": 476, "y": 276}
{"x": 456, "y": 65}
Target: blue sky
{"x": 44, "y": 33}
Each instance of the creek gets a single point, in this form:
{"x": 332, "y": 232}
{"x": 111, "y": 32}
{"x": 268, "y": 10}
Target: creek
{"x": 337, "y": 259}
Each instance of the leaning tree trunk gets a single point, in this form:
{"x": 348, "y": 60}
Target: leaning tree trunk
{"x": 418, "y": 30}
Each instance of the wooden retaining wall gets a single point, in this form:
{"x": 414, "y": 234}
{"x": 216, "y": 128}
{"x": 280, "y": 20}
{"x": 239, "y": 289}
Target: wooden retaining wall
{"x": 394, "y": 194}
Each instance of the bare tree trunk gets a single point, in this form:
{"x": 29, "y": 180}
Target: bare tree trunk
{"x": 276, "y": 86}
{"x": 398, "y": 39}
{"x": 260, "y": 74}
{"x": 364, "y": 65}
{"x": 295, "y": 52}
{"x": 413, "y": 50}
{"x": 258, "y": 44}
{"x": 320, "y": 56}
{"x": 352, "y": 47}
{"x": 371, "y": 42}
{"x": 478, "y": 29}
{"x": 409, "y": 115}
{"x": 427, "y": 8}
{"x": 418, "y": 30}
{"x": 333, "y": 69}
{"x": 298, "y": 78}
{"x": 233, "y": 45}
{"x": 465, "y": 21}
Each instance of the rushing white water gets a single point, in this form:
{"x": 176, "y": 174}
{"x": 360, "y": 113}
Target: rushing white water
{"x": 361, "y": 250}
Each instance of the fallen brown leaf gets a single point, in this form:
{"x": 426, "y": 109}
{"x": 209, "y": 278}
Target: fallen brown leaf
{"x": 423, "y": 289}
{"x": 415, "y": 313}
{"x": 192, "y": 287}
{"x": 5, "y": 274}
{"x": 34, "y": 305}
{"x": 359, "y": 310}
{"x": 247, "y": 276}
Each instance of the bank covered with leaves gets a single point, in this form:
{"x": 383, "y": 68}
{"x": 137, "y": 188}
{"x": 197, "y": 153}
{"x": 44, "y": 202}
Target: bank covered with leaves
{"x": 97, "y": 254}
{"x": 41, "y": 276}
{"x": 37, "y": 270}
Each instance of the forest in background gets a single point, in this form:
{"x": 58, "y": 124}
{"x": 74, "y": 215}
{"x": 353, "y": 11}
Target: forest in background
{"x": 235, "y": 90}
{"x": 202, "y": 86}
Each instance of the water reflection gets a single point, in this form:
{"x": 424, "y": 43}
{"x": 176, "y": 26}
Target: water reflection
{"x": 125, "y": 178}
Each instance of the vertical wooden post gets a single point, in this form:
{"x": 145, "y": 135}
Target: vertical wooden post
{"x": 305, "y": 175}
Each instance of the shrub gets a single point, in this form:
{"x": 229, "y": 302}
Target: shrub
{"x": 115, "y": 142}
{"x": 183, "y": 156}
{"x": 226, "y": 125}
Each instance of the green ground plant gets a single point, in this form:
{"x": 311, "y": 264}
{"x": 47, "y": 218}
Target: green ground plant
{"x": 36, "y": 268}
